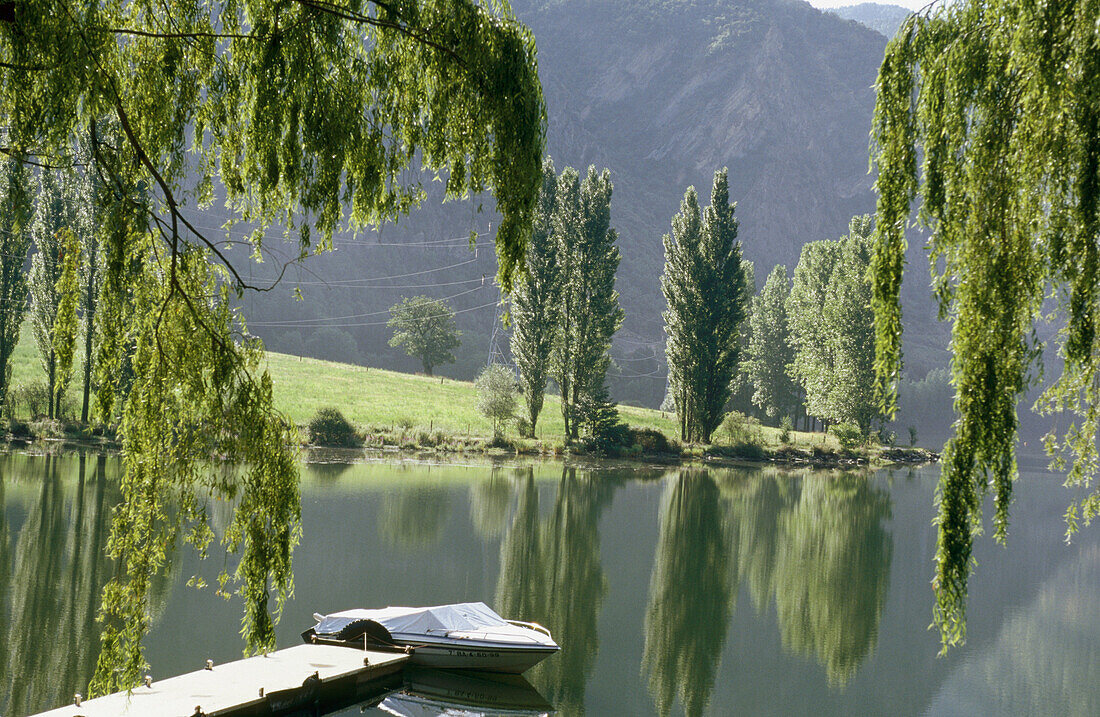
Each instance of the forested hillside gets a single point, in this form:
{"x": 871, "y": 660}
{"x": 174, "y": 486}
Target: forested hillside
{"x": 662, "y": 93}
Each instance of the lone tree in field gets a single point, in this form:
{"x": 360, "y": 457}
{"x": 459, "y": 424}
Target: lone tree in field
{"x": 496, "y": 397}
{"x": 301, "y": 117}
{"x": 426, "y": 328}
{"x": 15, "y": 239}
{"x": 988, "y": 114}
{"x": 770, "y": 351}
{"x": 704, "y": 284}
{"x": 536, "y": 302}
{"x": 590, "y": 312}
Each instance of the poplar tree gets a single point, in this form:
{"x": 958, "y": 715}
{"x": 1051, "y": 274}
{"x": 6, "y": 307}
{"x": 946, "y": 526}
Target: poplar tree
{"x": 849, "y": 322}
{"x": 704, "y": 284}
{"x": 15, "y": 239}
{"x": 91, "y": 281}
{"x": 988, "y": 115}
{"x": 65, "y": 325}
{"x": 55, "y": 214}
{"x": 535, "y": 301}
{"x": 813, "y": 364}
{"x": 770, "y": 352}
{"x": 590, "y": 313}
{"x": 832, "y": 328}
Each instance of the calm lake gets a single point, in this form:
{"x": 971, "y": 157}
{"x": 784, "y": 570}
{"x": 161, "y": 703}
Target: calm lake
{"x": 676, "y": 591}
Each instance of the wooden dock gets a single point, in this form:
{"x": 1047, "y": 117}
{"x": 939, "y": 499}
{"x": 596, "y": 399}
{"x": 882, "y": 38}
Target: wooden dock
{"x": 306, "y": 678}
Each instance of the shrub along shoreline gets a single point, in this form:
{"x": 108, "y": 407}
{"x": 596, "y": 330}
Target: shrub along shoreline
{"x": 647, "y": 445}
{"x": 388, "y": 411}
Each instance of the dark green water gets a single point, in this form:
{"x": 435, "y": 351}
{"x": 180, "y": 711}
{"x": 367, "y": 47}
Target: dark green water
{"x": 672, "y": 591}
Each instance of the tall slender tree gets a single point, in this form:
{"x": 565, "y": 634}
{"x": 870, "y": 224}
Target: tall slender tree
{"x": 91, "y": 282}
{"x": 65, "y": 323}
{"x": 55, "y": 213}
{"x": 770, "y": 352}
{"x": 536, "y": 301}
{"x": 704, "y": 284}
{"x": 812, "y": 367}
{"x": 591, "y": 314}
{"x": 849, "y": 321}
{"x": 15, "y": 240}
{"x": 683, "y": 306}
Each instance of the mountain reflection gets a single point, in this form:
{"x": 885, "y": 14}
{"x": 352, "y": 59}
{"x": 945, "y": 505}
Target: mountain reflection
{"x": 1045, "y": 658}
{"x": 551, "y": 574}
{"x": 817, "y": 546}
{"x": 691, "y": 595}
{"x": 57, "y": 575}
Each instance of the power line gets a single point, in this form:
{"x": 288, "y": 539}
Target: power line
{"x": 356, "y": 282}
{"x": 451, "y": 243}
{"x": 369, "y": 313}
{"x": 480, "y": 279}
{"x": 276, "y": 324}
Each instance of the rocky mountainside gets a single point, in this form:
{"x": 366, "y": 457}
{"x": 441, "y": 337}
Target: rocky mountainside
{"x": 663, "y": 93}
{"x": 883, "y": 19}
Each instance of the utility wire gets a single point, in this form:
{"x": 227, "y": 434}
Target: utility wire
{"x": 370, "y": 313}
{"x": 271, "y": 324}
{"x": 452, "y": 243}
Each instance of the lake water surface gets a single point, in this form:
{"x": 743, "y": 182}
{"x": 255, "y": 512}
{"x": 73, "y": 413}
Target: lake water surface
{"x": 672, "y": 591}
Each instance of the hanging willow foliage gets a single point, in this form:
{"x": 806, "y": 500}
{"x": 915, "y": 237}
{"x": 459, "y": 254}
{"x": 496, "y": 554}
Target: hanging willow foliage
{"x": 305, "y": 115}
{"x": 195, "y": 400}
{"x": 988, "y": 116}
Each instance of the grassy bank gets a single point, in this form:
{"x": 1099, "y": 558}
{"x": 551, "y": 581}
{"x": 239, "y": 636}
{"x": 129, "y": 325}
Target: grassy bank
{"x": 412, "y": 411}
{"x": 381, "y": 400}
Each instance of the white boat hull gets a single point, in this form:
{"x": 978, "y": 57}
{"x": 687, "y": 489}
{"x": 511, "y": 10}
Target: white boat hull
{"x": 492, "y": 658}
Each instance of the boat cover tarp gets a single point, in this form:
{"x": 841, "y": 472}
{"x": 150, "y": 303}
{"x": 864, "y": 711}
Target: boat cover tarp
{"x": 437, "y": 620}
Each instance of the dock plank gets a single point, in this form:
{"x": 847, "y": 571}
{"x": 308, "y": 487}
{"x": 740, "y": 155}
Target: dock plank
{"x": 235, "y": 687}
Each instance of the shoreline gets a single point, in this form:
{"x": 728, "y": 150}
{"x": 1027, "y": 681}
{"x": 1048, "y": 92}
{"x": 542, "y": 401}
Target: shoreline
{"x": 785, "y": 457}
{"x": 376, "y": 447}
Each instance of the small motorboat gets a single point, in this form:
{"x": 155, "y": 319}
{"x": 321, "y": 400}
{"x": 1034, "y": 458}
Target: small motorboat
{"x": 468, "y": 636}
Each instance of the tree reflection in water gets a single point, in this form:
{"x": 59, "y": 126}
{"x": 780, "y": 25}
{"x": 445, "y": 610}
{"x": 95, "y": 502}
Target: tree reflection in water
{"x": 490, "y": 500}
{"x": 5, "y": 544}
{"x": 832, "y": 576}
{"x": 551, "y": 574}
{"x": 816, "y": 545}
{"x": 413, "y": 516}
{"x": 691, "y": 595}
{"x": 60, "y": 568}
{"x": 5, "y": 575}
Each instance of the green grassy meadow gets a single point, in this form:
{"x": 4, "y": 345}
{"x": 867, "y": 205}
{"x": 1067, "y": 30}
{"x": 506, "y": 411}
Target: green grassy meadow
{"x": 380, "y": 401}
{"x": 375, "y": 398}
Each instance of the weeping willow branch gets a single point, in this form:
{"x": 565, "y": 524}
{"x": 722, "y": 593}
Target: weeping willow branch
{"x": 988, "y": 118}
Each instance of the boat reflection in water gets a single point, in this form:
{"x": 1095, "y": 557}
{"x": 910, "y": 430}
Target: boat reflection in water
{"x": 428, "y": 693}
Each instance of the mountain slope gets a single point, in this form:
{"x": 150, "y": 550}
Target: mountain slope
{"x": 883, "y": 19}
{"x": 663, "y": 93}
